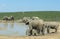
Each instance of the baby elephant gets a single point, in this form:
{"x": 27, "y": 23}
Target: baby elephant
{"x": 32, "y": 32}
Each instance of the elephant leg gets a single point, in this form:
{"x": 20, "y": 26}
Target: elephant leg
{"x": 33, "y": 32}
{"x": 55, "y": 29}
{"x": 43, "y": 30}
{"x": 48, "y": 31}
{"x": 28, "y": 32}
{"x": 38, "y": 32}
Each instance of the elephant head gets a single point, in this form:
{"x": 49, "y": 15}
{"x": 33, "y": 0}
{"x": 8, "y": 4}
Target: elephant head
{"x": 25, "y": 19}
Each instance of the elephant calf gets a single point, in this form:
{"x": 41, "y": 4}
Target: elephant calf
{"x": 32, "y": 32}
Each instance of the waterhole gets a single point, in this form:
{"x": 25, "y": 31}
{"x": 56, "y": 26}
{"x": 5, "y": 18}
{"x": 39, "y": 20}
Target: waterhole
{"x": 13, "y": 29}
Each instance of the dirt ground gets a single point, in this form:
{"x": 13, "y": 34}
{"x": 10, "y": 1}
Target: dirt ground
{"x": 50, "y": 36}
{"x": 47, "y": 36}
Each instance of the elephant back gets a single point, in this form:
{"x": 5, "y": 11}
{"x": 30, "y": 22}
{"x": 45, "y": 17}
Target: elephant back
{"x": 35, "y": 18}
{"x": 36, "y": 22}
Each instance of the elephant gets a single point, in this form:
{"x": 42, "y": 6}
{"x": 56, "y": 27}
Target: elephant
{"x": 5, "y": 18}
{"x": 36, "y": 24}
{"x": 32, "y": 32}
{"x": 51, "y": 25}
{"x": 8, "y": 18}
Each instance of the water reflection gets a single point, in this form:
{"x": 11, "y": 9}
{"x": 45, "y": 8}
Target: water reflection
{"x": 13, "y": 29}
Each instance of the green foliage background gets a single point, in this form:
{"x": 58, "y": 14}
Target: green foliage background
{"x": 46, "y": 15}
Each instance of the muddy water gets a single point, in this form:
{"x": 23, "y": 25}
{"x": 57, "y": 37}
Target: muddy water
{"x": 13, "y": 29}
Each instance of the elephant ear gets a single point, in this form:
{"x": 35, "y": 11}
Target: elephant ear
{"x": 27, "y": 23}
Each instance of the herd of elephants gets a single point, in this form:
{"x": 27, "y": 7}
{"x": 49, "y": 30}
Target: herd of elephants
{"x": 37, "y": 26}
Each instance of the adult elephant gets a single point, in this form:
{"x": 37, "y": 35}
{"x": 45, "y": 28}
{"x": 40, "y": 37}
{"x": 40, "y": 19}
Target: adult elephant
{"x": 37, "y": 25}
{"x": 8, "y": 18}
{"x": 51, "y": 25}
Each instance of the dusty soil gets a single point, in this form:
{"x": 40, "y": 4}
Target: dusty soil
{"x": 50, "y": 36}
